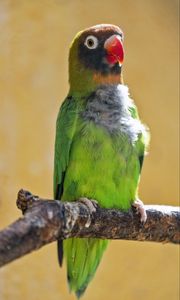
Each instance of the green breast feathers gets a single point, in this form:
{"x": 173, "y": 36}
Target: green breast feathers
{"x": 105, "y": 142}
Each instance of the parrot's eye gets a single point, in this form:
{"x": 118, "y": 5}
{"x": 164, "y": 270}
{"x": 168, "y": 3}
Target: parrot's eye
{"x": 91, "y": 42}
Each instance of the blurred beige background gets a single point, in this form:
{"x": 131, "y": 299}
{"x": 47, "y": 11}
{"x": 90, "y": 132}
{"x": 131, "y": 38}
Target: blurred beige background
{"x": 34, "y": 42}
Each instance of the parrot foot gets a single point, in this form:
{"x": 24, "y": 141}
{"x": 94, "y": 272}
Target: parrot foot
{"x": 92, "y": 205}
{"x": 139, "y": 205}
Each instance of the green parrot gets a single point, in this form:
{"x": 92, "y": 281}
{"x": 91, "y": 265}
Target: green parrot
{"x": 100, "y": 143}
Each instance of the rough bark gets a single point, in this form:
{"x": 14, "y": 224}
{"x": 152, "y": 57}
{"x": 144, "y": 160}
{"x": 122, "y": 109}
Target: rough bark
{"x": 45, "y": 221}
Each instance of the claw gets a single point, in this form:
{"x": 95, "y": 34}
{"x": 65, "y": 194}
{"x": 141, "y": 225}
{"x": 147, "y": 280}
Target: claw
{"x": 139, "y": 205}
{"x": 92, "y": 205}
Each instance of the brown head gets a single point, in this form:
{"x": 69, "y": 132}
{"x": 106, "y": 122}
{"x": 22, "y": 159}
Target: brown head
{"x": 96, "y": 57}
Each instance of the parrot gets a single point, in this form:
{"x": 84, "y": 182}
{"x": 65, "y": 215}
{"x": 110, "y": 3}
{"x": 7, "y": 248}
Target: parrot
{"x": 100, "y": 143}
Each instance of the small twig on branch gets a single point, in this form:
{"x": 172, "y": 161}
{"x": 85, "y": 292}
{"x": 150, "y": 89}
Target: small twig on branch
{"x": 45, "y": 221}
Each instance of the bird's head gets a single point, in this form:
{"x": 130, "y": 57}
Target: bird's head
{"x": 96, "y": 57}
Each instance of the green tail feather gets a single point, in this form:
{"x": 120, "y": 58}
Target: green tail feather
{"x": 83, "y": 257}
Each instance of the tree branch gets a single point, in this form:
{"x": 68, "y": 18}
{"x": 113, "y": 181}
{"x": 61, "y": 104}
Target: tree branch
{"x": 45, "y": 221}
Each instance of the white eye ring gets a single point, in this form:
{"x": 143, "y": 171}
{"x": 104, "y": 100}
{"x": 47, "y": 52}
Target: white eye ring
{"x": 91, "y": 42}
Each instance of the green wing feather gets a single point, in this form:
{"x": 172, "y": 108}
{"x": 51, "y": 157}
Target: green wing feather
{"x": 143, "y": 140}
{"x": 65, "y": 127}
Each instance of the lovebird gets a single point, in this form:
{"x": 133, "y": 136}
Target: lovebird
{"x": 100, "y": 143}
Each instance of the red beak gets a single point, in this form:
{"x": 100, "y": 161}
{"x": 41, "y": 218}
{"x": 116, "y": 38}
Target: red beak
{"x": 114, "y": 48}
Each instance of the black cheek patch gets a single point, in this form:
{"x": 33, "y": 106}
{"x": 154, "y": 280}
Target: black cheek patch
{"x": 94, "y": 59}
{"x": 91, "y": 58}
